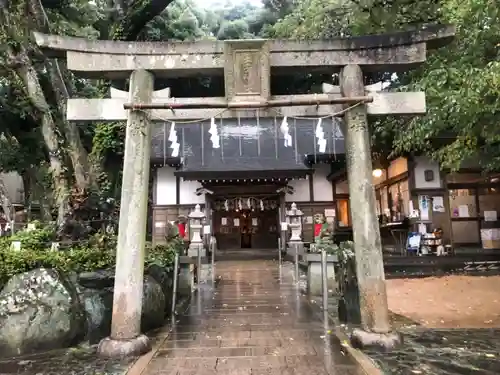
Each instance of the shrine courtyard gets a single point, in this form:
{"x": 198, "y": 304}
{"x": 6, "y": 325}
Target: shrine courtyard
{"x": 253, "y": 321}
{"x": 256, "y": 322}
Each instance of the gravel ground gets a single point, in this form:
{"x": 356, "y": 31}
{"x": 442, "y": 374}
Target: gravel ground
{"x": 447, "y": 302}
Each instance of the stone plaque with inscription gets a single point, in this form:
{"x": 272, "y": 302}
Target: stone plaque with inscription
{"x": 246, "y": 70}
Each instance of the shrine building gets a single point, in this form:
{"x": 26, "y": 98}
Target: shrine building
{"x": 244, "y": 156}
{"x": 246, "y": 182}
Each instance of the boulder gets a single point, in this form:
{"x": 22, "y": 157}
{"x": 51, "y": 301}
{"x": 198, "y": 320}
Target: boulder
{"x": 98, "y": 305}
{"x": 153, "y": 305}
{"x": 39, "y": 310}
{"x": 165, "y": 278}
{"x": 98, "y": 279}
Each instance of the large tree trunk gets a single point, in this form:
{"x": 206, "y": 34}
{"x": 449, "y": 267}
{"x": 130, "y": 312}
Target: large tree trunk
{"x": 19, "y": 61}
{"x": 76, "y": 151}
{"x": 8, "y": 208}
{"x": 28, "y": 192}
{"x": 29, "y": 76}
{"x": 35, "y": 191}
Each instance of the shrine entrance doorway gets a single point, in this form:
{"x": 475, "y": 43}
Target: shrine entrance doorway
{"x": 246, "y": 222}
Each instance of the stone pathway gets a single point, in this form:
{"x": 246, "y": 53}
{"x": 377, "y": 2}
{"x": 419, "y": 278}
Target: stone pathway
{"x": 251, "y": 324}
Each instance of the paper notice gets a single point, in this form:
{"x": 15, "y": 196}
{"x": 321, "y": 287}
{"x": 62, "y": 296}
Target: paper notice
{"x": 329, "y": 212}
{"x": 438, "y": 204}
{"x": 463, "y": 210}
{"x": 490, "y": 216}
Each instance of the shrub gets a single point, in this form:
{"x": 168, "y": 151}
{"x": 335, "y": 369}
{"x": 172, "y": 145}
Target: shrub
{"x": 97, "y": 252}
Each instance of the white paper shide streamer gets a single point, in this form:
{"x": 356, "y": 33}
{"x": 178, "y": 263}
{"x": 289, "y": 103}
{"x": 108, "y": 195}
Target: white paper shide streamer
{"x": 286, "y": 132}
{"x": 320, "y": 136}
{"x": 174, "y": 143}
{"x": 337, "y": 132}
{"x": 214, "y": 134}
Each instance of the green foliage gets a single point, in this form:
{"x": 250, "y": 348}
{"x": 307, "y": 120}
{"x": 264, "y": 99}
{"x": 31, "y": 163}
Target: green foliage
{"x": 164, "y": 255}
{"x": 22, "y": 146}
{"x": 237, "y": 29}
{"x": 98, "y": 252}
{"x": 461, "y": 81}
{"x": 33, "y": 240}
{"x": 346, "y": 269}
{"x": 315, "y": 19}
{"x": 324, "y": 242}
{"x": 462, "y": 84}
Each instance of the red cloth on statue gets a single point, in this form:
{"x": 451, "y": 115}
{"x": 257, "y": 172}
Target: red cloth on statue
{"x": 317, "y": 229}
{"x": 182, "y": 229}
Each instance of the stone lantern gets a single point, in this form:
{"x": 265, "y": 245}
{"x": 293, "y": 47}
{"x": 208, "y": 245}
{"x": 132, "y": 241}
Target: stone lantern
{"x": 295, "y": 220}
{"x": 195, "y": 223}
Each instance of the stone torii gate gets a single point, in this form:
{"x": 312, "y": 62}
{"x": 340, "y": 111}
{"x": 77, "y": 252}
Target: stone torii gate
{"x": 246, "y": 66}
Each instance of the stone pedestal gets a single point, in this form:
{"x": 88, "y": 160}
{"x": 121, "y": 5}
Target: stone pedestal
{"x": 186, "y": 279}
{"x": 314, "y": 276}
{"x": 296, "y": 246}
{"x": 315, "y": 279}
{"x": 206, "y": 272}
{"x": 193, "y": 250}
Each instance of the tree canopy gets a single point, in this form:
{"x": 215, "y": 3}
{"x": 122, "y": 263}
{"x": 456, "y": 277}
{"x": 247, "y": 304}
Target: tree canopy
{"x": 461, "y": 81}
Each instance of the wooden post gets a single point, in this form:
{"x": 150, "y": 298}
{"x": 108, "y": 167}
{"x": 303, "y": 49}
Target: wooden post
{"x": 126, "y": 338}
{"x": 366, "y": 231}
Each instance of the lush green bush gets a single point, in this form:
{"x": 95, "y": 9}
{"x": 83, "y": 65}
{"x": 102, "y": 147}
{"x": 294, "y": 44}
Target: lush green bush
{"x": 96, "y": 252}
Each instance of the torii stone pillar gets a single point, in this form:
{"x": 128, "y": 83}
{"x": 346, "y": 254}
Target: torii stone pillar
{"x": 126, "y": 338}
{"x": 375, "y": 323}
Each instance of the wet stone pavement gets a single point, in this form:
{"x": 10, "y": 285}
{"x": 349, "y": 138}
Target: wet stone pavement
{"x": 443, "y": 352}
{"x": 82, "y": 360}
{"x": 251, "y": 324}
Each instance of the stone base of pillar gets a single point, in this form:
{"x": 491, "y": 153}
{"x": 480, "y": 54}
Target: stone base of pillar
{"x": 113, "y": 348}
{"x": 315, "y": 279}
{"x": 380, "y": 341}
{"x": 186, "y": 280}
